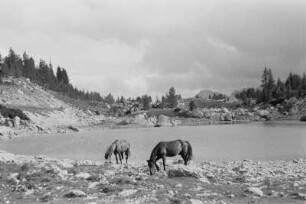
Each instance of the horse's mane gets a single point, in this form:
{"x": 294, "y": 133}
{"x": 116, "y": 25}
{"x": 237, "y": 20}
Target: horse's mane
{"x": 110, "y": 150}
{"x": 154, "y": 152}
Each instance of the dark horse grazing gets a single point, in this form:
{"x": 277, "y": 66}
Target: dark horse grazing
{"x": 119, "y": 147}
{"x": 169, "y": 149}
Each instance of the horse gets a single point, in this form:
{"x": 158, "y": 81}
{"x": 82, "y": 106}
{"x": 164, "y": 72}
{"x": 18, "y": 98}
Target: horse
{"x": 169, "y": 149}
{"x": 118, "y": 147}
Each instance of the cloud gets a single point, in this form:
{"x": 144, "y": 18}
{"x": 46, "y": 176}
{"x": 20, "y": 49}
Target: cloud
{"x": 141, "y": 46}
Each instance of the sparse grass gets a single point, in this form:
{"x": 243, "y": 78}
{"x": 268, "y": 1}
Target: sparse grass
{"x": 156, "y": 112}
{"x": 201, "y": 103}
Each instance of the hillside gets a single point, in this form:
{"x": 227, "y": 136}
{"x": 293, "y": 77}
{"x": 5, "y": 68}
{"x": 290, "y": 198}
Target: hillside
{"x": 46, "y": 111}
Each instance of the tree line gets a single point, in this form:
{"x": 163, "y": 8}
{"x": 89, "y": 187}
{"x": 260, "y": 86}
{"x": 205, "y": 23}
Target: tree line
{"x": 43, "y": 75}
{"x": 16, "y": 66}
{"x": 272, "y": 91}
{"x": 169, "y": 100}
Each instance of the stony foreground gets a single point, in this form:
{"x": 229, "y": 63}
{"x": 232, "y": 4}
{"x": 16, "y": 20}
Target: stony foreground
{"x": 28, "y": 179}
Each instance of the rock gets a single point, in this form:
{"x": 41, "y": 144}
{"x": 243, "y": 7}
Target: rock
{"x": 74, "y": 129}
{"x": 14, "y": 178}
{"x": 140, "y": 119}
{"x": 108, "y": 173}
{"x": 46, "y": 197}
{"x": 300, "y": 196}
{"x": 225, "y": 110}
{"x": 74, "y": 194}
{"x": 61, "y": 173}
{"x": 9, "y": 123}
{"x": 178, "y": 161}
{"x": 264, "y": 114}
{"x": 179, "y": 185}
{"x": 25, "y": 123}
{"x": 256, "y": 191}
{"x": 163, "y": 121}
{"x": 228, "y": 116}
{"x": 16, "y": 122}
{"x": 171, "y": 193}
{"x": 185, "y": 171}
{"x": 195, "y": 201}
{"x": 93, "y": 184}
{"x": 204, "y": 180}
{"x": 66, "y": 163}
{"x": 127, "y": 192}
{"x": 39, "y": 128}
{"x": 83, "y": 175}
{"x": 2, "y": 120}
{"x": 195, "y": 114}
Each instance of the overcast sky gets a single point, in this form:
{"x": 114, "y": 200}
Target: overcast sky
{"x": 132, "y": 47}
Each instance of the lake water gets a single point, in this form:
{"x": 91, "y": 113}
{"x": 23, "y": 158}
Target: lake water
{"x": 257, "y": 141}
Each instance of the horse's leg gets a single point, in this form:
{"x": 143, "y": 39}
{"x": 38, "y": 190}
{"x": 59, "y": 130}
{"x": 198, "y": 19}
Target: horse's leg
{"x": 157, "y": 167}
{"x": 185, "y": 159}
{"x": 121, "y": 157}
{"x": 164, "y": 161}
{"x": 116, "y": 158}
{"x": 126, "y": 157}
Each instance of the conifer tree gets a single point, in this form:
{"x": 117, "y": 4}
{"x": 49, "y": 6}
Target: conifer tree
{"x": 109, "y": 99}
{"x": 172, "y": 98}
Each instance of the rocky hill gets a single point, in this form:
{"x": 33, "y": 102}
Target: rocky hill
{"x": 47, "y": 113}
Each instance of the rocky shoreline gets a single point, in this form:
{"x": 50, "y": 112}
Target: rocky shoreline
{"x": 36, "y": 179}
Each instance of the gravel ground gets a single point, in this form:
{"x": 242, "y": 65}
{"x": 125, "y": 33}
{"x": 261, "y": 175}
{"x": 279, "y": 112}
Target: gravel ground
{"x": 29, "y": 179}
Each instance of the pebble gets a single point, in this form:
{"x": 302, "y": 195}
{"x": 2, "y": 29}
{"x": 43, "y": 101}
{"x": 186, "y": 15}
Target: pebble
{"x": 179, "y": 185}
{"x": 256, "y": 191}
{"x": 195, "y": 201}
{"x": 171, "y": 193}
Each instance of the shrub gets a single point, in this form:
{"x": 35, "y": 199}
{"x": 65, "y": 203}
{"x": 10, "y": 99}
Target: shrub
{"x": 192, "y": 105}
{"x": 123, "y": 122}
{"x": 303, "y": 118}
{"x": 12, "y": 113}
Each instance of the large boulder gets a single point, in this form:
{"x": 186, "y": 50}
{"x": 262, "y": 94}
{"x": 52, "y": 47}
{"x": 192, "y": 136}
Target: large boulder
{"x": 75, "y": 193}
{"x": 141, "y": 119}
{"x": 163, "y": 121}
{"x": 185, "y": 171}
{"x": 255, "y": 191}
{"x": 228, "y": 116}
{"x": 196, "y": 114}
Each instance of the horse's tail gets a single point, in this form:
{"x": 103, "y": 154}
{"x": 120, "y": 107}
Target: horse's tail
{"x": 189, "y": 151}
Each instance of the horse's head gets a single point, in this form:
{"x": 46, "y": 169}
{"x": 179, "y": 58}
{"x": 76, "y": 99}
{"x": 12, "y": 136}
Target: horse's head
{"x": 108, "y": 155}
{"x": 151, "y": 166}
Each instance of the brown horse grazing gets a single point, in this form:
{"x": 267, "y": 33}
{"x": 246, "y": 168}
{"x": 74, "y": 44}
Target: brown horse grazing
{"x": 119, "y": 147}
{"x": 169, "y": 149}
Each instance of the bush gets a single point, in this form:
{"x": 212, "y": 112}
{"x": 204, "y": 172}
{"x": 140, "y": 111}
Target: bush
{"x": 303, "y": 118}
{"x": 192, "y": 105}
{"x": 12, "y": 113}
{"x": 123, "y": 122}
